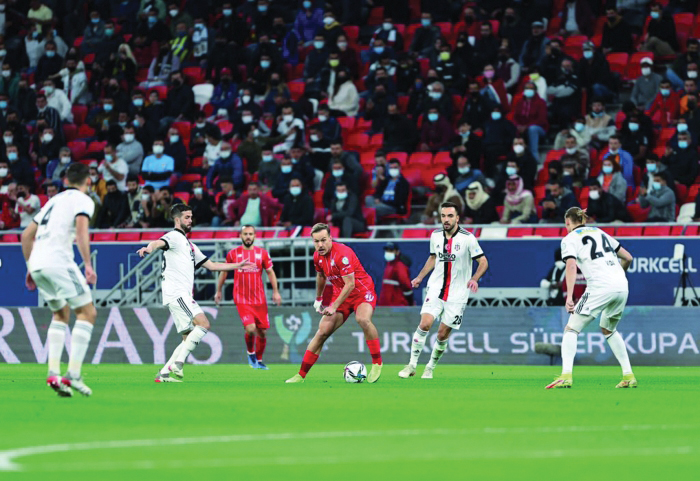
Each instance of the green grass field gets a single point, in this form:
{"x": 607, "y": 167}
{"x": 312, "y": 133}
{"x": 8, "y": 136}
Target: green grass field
{"x": 229, "y": 421}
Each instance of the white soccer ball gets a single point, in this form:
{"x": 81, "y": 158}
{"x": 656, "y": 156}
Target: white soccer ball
{"x": 355, "y": 372}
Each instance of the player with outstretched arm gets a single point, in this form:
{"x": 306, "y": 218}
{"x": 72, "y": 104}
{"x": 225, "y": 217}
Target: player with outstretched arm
{"x": 452, "y": 251}
{"x": 180, "y": 260}
{"x": 47, "y": 245}
{"x": 353, "y": 290}
{"x": 603, "y": 262}
{"x": 249, "y": 294}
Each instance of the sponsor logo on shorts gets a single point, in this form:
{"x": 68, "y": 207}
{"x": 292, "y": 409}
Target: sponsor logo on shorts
{"x": 369, "y": 297}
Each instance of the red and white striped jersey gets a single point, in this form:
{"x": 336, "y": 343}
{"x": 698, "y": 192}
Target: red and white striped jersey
{"x": 248, "y": 286}
{"x": 453, "y": 265}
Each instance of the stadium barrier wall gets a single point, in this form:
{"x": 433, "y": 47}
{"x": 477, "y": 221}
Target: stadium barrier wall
{"x": 653, "y": 276}
{"x": 654, "y": 336}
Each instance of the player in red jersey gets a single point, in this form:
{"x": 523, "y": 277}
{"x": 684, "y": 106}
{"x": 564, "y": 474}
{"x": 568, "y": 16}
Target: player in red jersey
{"x": 249, "y": 294}
{"x": 353, "y": 291}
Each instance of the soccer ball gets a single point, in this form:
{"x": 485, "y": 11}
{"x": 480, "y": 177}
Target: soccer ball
{"x": 355, "y": 372}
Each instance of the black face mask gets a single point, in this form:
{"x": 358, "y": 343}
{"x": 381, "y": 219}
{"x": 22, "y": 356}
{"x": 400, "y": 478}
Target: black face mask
{"x": 177, "y": 83}
{"x": 274, "y": 82}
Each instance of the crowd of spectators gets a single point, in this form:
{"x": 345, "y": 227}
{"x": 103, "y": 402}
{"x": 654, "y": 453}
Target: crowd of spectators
{"x": 288, "y": 112}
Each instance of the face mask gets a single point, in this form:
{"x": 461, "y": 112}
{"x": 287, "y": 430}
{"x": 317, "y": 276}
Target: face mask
{"x": 318, "y": 44}
{"x": 265, "y": 63}
{"x": 464, "y": 135}
{"x": 607, "y": 169}
{"x": 432, "y": 117}
{"x": 594, "y": 195}
{"x": 295, "y": 191}
{"x": 588, "y": 54}
{"x": 692, "y": 74}
{"x": 683, "y": 144}
{"x": 12, "y": 156}
{"x": 393, "y": 173}
{"x": 145, "y": 196}
{"x": 665, "y": 92}
{"x": 313, "y": 137}
{"x": 518, "y": 149}
{"x": 571, "y": 150}
{"x": 245, "y": 99}
{"x": 425, "y": 22}
{"x": 201, "y": 125}
{"x": 267, "y": 158}
{"x": 128, "y": 138}
{"x": 511, "y": 171}
{"x": 174, "y": 138}
{"x": 342, "y": 45}
{"x": 489, "y": 73}
{"x": 47, "y": 138}
{"x": 496, "y": 115}
{"x": 227, "y": 12}
{"x": 656, "y": 185}
{"x": 138, "y": 102}
{"x": 3, "y": 172}
{"x": 3, "y": 104}
{"x": 378, "y": 50}
{"x": 109, "y": 32}
{"x": 334, "y": 62}
{"x": 225, "y": 154}
{"x": 597, "y": 114}
{"x": 286, "y": 169}
{"x": 94, "y": 179}
{"x": 262, "y": 8}
{"x": 50, "y": 53}
{"x": 35, "y": 34}
{"x": 8, "y": 139}
{"x": 247, "y": 119}
{"x": 464, "y": 170}
{"x": 578, "y": 127}
{"x": 95, "y": 21}
{"x": 109, "y": 157}
{"x": 152, "y": 20}
{"x": 337, "y": 173}
{"x": 307, "y": 4}
{"x": 65, "y": 160}
{"x": 198, "y": 191}
{"x": 435, "y": 95}
{"x": 173, "y": 13}
{"x": 682, "y": 127}
{"x": 646, "y": 71}
{"x": 651, "y": 167}
{"x": 634, "y": 126}
{"x": 6, "y": 73}
{"x": 655, "y": 15}
{"x": 107, "y": 107}
{"x": 614, "y": 151}
{"x": 158, "y": 149}
{"x": 328, "y": 20}
{"x": 341, "y": 195}
{"x": 529, "y": 93}
{"x": 135, "y": 122}
{"x": 288, "y": 118}
{"x": 389, "y": 256}
{"x": 48, "y": 90}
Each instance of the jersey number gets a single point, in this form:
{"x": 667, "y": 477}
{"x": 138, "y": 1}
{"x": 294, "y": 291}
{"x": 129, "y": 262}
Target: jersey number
{"x": 595, "y": 253}
{"x": 45, "y": 220}
{"x": 458, "y": 320}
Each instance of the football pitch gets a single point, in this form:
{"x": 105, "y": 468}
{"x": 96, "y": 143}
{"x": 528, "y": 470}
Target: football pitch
{"x": 469, "y": 422}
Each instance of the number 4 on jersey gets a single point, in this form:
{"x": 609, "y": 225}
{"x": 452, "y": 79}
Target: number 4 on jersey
{"x": 595, "y": 253}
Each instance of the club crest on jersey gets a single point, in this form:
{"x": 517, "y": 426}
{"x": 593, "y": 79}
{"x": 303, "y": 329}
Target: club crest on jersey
{"x": 457, "y": 246}
{"x": 346, "y": 261}
{"x": 258, "y": 257}
{"x": 369, "y": 297}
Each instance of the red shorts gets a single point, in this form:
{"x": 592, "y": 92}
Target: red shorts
{"x": 353, "y": 302}
{"x": 254, "y": 314}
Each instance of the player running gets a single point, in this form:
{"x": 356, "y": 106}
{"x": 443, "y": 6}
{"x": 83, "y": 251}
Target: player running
{"x": 249, "y": 294}
{"x": 448, "y": 288}
{"x": 47, "y": 245}
{"x": 603, "y": 262}
{"x": 180, "y": 260}
{"x": 353, "y": 290}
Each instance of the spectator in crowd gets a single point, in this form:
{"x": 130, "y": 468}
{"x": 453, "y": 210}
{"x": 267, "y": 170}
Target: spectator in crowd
{"x": 161, "y": 67}
{"x": 40, "y": 15}
{"x": 425, "y": 36}
{"x": 399, "y": 132}
{"x": 339, "y": 173}
{"x": 486, "y": 47}
{"x": 94, "y": 34}
{"x": 316, "y": 59}
{"x": 163, "y": 202}
{"x": 211, "y": 151}
{"x": 533, "y": 50}
{"x": 493, "y": 89}
{"x": 175, "y": 148}
{"x": 27, "y": 204}
{"x": 682, "y": 161}
{"x": 146, "y": 207}
{"x": 551, "y": 63}
{"x": 679, "y": 70}
{"x": 298, "y": 206}
{"x": 594, "y": 72}
{"x": 46, "y": 147}
{"x": 661, "y": 33}
{"x": 345, "y": 211}
{"x": 388, "y": 32}
{"x": 444, "y": 192}
{"x": 612, "y": 180}
{"x": 57, "y": 168}
{"x": 527, "y": 164}
{"x": 114, "y": 210}
{"x": 20, "y": 168}
{"x": 397, "y": 290}
{"x": 269, "y": 169}
{"x": 436, "y": 133}
{"x": 57, "y": 99}
{"x": 599, "y": 125}
{"x": 514, "y": 29}
{"x": 462, "y": 173}
{"x": 291, "y": 127}
{"x": 343, "y": 96}
{"x": 114, "y": 168}
{"x": 133, "y": 200}
{"x": 391, "y": 196}
{"x": 158, "y": 167}
{"x": 177, "y": 16}
{"x": 199, "y": 132}
{"x": 179, "y": 106}
{"x": 49, "y": 64}
{"x": 48, "y": 115}
{"x": 617, "y": 35}
{"x": 51, "y": 190}
{"x": 576, "y": 161}
{"x": 286, "y": 174}
{"x": 646, "y": 86}
{"x": 308, "y": 21}
{"x": 350, "y": 161}
{"x": 634, "y": 139}
{"x": 604, "y": 207}
{"x": 348, "y": 56}
{"x": 621, "y": 157}
{"x": 577, "y": 19}
{"x": 477, "y": 108}
{"x": 467, "y": 142}
{"x": 228, "y": 164}
{"x": 654, "y": 166}
{"x": 98, "y": 188}
{"x": 557, "y": 201}
{"x": 302, "y": 166}
{"x": 130, "y": 150}
{"x": 203, "y": 205}
{"x": 665, "y": 108}
{"x": 661, "y": 200}
{"x": 690, "y": 91}
{"x": 499, "y": 133}
{"x": 75, "y": 82}
{"x": 480, "y": 208}
{"x": 519, "y": 205}
{"x": 507, "y": 68}
{"x": 253, "y": 209}
{"x": 565, "y": 93}
{"x": 531, "y": 118}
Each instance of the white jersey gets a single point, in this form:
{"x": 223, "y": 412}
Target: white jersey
{"x": 53, "y": 244}
{"x": 180, "y": 259}
{"x": 453, "y": 265}
{"x": 596, "y": 255}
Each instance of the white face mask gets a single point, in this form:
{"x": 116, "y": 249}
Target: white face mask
{"x": 94, "y": 179}
{"x": 128, "y": 138}
{"x": 65, "y": 160}
{"x": 158, "y": 149}
{"x": 341, "y": 195}
{"x": 198, "y": 191}
{"x": 691, "y": 73}
{"x": 389, "y": 256}
{"x": 6, "y": 73}
{"x": 8, "y": 139}
{"x": 201, "y": 125}
{"x": 646, "y": 71}
{"x": 174, "y": 138}
{"x": 313, "y": 137}
{"x": 614, "y": 151}
{"x": 518, "y": 149}
{"x": 245, "y": 99}
{"x": 225, "y": 154}
{"x": 145, "y": 196}
{"x": 3, "y": 172}
{"x": 247, "y": 119}
{"x": 295, "y": 191}
{"x": 267, "y": 158}
{"x": 322, "y": 118}
{"x": 594, "y": 195}
{"x": 47, "y": 138}
{"x": 571, "y": 150}
{"x": 394, "y": 173}
{"x": 288, "y": 118}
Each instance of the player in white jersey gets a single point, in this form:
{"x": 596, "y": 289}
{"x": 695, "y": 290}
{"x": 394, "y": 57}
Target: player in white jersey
{"x": 452, "y": 251}
{"x": 603, "y": 262}
{"x": 47, "y": 245}
{"x": 180, "y": 259}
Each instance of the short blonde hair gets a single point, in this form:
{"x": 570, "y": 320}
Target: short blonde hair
{"x": 320, "y": 227}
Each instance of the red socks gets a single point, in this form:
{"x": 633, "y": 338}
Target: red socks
{"x": 260, "y": 343}
{"x": 250, "y": 342}
{"x": 375, "y": 351}
{"x": 309, "y": 359}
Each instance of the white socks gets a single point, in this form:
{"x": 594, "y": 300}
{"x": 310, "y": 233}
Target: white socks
{"x": 173, "y": 358}
{"x": 568, "y": 351}
{"x": 80, "y": 339}
{"x": 417, "y": 346}
{"x": 617, "y": 346}
{"x": 57, "y": 339}
{"x": 190, "y": 343}
{"x": 438, "y": 351}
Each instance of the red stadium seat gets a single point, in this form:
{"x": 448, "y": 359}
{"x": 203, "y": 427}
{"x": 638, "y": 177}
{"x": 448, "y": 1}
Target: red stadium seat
{"x": 346, "y": 122}
{"x": 376, "y": 15}
{"x": 202, "y": 234}
{"x": 85, "y": 132}
{"x": 681, "y": 194}
{"x": 226, "y": 234}
{"x": 442, "y": 158}
{"x": 184, "y": 129}
{"x": 225, "y": 126}
{"x": 77, "y": 148}
{"x": 370, "y": 215}
{"x": 195, "y": 75}
{"x": 296, "y": 89}
{"x": 104, "y": 236}
{"x": 416, "y": 233}
{"x": 70, "y": 132}
{"x": 637, "y": 213}
{"x": 96, "y": 147}
{"x": 629, "y": 231}
{"x": 43, "y": 199}
{"x": 553, "y": 155}
{"x": 657, "y": 230}
{"x": 191, "y": 178}
{"x": 608, "y": 230}
{"x": 162, "y": 91}
{"x": 550, "y": 231}
{"x": 692, "y": 230}
{"x": 183, "y": 196}
{"x": 402, "y": 157}
{"x": 79, "y": 114}
{"x": 519, "y": 231}
{"x": 424, "y": 158}
{"x": 151, "y": 236}
{"x": 692, "y": 193}
{"x": 128, "y": 236}
{"x": 352, "y": 32}
{"x": 9, "y": 238}
{"x": 618, "y": 62}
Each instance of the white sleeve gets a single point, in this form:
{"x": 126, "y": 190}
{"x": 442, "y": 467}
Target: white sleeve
{"x": 170, "y": 241}
{"x": 568, "y": 249}
{"x": 614, "y": 243}
{"x": 475, "y": 248}
{"x": 85, "y": 207}
{"x": 199, "y": 258}
{"x": 432, "y": 245}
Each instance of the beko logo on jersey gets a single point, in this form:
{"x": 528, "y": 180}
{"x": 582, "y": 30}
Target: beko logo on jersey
{"x": 446, "y": 257}
{"x": 655, "y": 265}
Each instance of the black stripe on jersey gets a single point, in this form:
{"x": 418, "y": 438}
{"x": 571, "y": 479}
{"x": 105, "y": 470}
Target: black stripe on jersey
{"x": 166, "y": 246}
{"x": 445, "y": 265}
{"x": 617, "y": 249}
{"x": 184, "y": 307}
{"x": 462, "y": 231}
{"x": 437, "y": 231}
{"x": 581, "y": 303}
{"x": 83, "y": 213}
{"x": 477, "y": 257}
{"x": 568, "y": 257}
{"x": 197, "y": 266}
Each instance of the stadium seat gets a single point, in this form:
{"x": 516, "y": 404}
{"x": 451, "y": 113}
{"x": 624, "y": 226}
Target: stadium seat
{"x": 637, "y": 213}
{"x": 402, "y": 157}
{"x": 225, "y": 126}
{"x": 553, "y": 155}
{"x": 692, "y": 193}
{"x": 183, "y": 196}
{"x": 692, "y": 230}
{"x": 550, "y": 231}
{"x": 128, "y": 236}
{"x": 376, "y": 15}
{"x": 78, "y": 42}
{"x": 442, "y": 158}
{"x": 77, "y": 148}
{"x": 202, "y": 234}
{"x": 681, "y": 194}
{"x": 70, "y": 132}
{"x": 195, "y": 75}
{"x": 225, "y": 234}
{"x": 370, "y": 215}
{"x": 184, "y": 129}
{"x": 151, "y": 236}
{"x": 43, "y": 199}
{"x": 346, "y": 122}
{"x": 629, "y": 231}
{"x": 352, "y": 32}
{"x": 9, "y": 238}
{"x": 416, "y": 233}
{"x": 421, "y": 158}
{"x": 573, "y": 46}
{"x": 79, "y": 114}
{"x": 519, "y": 231}
{"x": 96, "y": 147}
{"x": 608, "y": 230}
{"x": 85, "y": 132}
{"x": 401, "y": 217}
{"x": 618, "y": 62}
{"x": 657, "y": 230}
{"x": 104, "y": 236}
{"x": 191, "y": 178}
{"x": 296, "y": 89}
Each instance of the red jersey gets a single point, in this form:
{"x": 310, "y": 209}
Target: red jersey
{"x": 342, "y": 261}
{"x": 396, "y": 285}
{"x": 247, "y": 284}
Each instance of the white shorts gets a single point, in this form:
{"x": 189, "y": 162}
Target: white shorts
{"x": 449, "y": 313}
{"x": 184, "y": 310}
{"x": 62, "y": 285}
{"x": 608, "y": 305}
